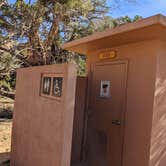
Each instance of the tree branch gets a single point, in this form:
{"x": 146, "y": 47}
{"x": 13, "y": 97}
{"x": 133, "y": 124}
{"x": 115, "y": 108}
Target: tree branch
{"x": 7, "y": 94}
{"x": 53, "y": 32}
{"x": 18, "y": 56}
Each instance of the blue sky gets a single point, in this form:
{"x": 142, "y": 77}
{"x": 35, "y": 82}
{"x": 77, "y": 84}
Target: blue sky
{"x": 144, "y": 8}
{"x": 131, "y": 8}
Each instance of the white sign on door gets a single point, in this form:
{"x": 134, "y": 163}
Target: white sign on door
{"x": 105, "y": 88}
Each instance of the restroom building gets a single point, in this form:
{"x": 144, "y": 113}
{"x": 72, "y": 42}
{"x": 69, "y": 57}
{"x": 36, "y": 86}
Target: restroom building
{"x": 124, "y": 120}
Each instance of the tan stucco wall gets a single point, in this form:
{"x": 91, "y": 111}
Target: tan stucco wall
{"x": 139, "y": 98}
{"x": 42, "y": 127}
{"x": 158, "y": 139}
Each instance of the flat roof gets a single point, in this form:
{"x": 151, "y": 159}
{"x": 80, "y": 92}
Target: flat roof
{"x": 145, "y": 29}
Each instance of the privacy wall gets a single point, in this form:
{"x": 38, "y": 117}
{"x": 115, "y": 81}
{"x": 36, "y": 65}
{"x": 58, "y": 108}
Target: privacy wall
{"x": 43, "y": 116}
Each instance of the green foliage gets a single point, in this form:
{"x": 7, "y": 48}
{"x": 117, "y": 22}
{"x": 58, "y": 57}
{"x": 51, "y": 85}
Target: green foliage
{"x": 126, "y": 19}
{"x": 80, "y": 62}
{"x": 8, "y": 64}
{"x": 32, "y": 33}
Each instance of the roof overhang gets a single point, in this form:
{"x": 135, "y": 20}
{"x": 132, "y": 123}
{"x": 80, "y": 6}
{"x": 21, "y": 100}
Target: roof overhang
{"x": 146, "y": 29}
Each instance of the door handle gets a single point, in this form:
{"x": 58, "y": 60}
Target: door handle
{"x": 116, "y": 122}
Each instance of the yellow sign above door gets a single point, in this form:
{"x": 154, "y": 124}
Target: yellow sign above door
{"x": 107, "y": 55}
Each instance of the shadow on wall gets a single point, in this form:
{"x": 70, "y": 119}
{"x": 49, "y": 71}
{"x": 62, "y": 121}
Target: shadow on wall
{"x": 158, "y": 142}
{"x": 4, "y": 159}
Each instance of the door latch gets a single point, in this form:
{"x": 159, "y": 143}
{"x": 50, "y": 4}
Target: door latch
{"x": 116, "y": 122}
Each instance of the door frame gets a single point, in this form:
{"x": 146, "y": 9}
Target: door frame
{"x": 90, "y": 78}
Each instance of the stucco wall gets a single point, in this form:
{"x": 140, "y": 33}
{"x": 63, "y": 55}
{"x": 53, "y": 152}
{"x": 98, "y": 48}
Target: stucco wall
{"x": 139, "y": 98}
{"x": 42, "y": 127}
{"x": 158, "y": 139}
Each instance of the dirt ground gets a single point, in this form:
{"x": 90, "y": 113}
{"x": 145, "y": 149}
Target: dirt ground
{"x": 6, "y": 110}
{"x": 5, "y": 135}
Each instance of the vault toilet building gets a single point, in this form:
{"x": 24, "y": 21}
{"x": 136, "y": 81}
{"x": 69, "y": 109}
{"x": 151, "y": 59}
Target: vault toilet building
{"x": 126, "y": 108}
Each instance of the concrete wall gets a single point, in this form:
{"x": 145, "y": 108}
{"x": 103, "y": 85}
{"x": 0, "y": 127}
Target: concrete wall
{"x": 42, "y": 127}
{"x": 139, "y": 98}
{"x": 79, "y": 120}
{"x": 158, "y": 137}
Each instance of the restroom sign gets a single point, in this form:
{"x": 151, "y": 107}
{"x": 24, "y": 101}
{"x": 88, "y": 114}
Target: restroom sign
{"x": 107, "y": 55}
{"x": 105, "y": 88}
{"x": 51, "y": 85}
{"x": 57, "y": 86}
{"x": 46, "y": 85}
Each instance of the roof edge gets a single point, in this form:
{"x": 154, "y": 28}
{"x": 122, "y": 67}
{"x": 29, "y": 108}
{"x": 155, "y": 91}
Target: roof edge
{"x": 156, "y": 19}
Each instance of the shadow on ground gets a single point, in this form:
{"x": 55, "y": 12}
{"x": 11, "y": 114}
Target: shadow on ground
{"x": 6, "y": 114}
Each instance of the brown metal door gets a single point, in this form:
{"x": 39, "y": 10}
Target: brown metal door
{"x": 106, "y": 114}
{"x": 79, "y": 120}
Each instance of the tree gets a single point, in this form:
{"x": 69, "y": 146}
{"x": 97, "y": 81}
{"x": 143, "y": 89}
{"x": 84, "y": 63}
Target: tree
{"x": 31, "y": 33}
{"x": 8, "y": 64}
{"x": 108, "y": 22}
{"x": 44, "y": 25}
